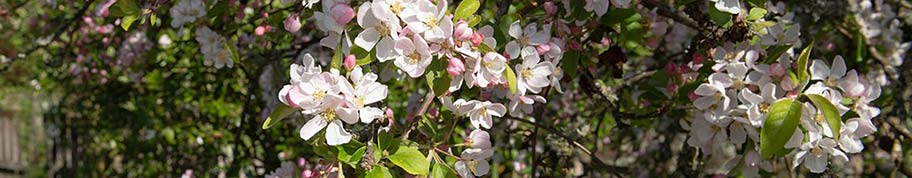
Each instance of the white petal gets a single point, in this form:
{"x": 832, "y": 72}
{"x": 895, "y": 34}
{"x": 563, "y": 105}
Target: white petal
{"x": 368, "y": 114}
{"x": 312, "y": 126}
{"x": 367, "y": 39}
{"x": 819, "y": 70}
{"x": 816, "y": 163}
{"x": 513, "y": 49}
{"x": 705, "y": 102}
{"x": 336, "y": 134}
{"x": 515, "y": 30}
{"x": 839, "y": 68}
{"x": 481, "y": 167}
{"x": 348, "y": 115}
{"x": 386, "y": 49}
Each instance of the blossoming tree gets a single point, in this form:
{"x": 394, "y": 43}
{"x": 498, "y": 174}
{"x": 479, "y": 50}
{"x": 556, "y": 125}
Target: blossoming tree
{"x": 474, "y": 88}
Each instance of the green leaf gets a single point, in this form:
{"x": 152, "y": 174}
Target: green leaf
{"x": 281, "y": 111}
{"x": 152, "y": 19}
{"x": 128, "y": 20}
{"x": 780, "y": 124}
{"x": 756, "y": 13}
{"x": 511, "y": 78}
{"x": 438, "y": 79}
{"x": 720, "y": 18}
{"x": 441, "y": 171}
{"x": 125, "y": 7}
{"x": 757, "y": 3}
{"x": 829, "y": 111}
{"x": 466, "y": 9}
{"x": 351, "y": 157}
{"x": 570, "y": 63}
{"x": 803, "y": 65}
{"x": 411, "y": 160}
{"x": 615, "y": 16}
{"x": 337, "y": 58}
{"x": 379, "y": 172}
{"x": 777, "y": 51}
{"x": 474, "y": 20}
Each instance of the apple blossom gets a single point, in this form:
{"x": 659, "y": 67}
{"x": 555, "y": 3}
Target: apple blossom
{"x": 187, "y": 11}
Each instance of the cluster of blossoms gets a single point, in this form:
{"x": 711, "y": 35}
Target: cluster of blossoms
{"x": 412, "y": 35}
{"x": 732, "y": 106}
{"x": 880, "y": 27}
{"x": 329, "y": 97}
{"x": 214, "y": 47}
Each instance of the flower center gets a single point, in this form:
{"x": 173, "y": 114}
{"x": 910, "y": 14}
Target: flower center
{"x": 319, "y": 95}
{"x": 523, "y": 40}
{"x": 487, "y": 64}
{"x": 382, "y": 29}
{"x": 396, "y": 7}
{"x": 329, "y": 115}
{"x": 737, "y": 83}
{"x": 764, "y": 107}
{"x": 830, "y": 82}
{"x": 359, "y": 101}
{"x": 413, "y": 57}
{"x": 526, "y": 73}
{"x": 483, "y": 111}
{"x": 715, "y": 128}
{"x": 730, "y": 56}
{"x": 817, "y": 151}
{"x": 431, "y": 22}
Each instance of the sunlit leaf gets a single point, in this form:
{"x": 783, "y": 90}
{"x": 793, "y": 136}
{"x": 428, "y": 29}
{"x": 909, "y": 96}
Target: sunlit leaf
{"x": 780, "y": 124}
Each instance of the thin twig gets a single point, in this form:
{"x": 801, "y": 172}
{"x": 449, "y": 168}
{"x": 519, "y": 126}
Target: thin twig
{"x": 572, "y": 142}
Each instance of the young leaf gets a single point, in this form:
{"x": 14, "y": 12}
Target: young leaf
{"x": 570, "y": 62}
{"x": 829, "y": 111}
{"x": 780, "y": 124}
{"x": 337, "y": 58}
{"x": 128, "y": 20}
{"x": 511, "y": 78}
{"x": 756, "y": 13}
{"x": 466, "y": 9}
{"x": 281, "y": 111}
{"x": 441, "y": 171}
{"x": 379, "y": 172}
{"x": 720, "y": 18}
{"x": 803, "y": 64}
{"x": 411, "y": 160}
{"x": 351, "y": 157}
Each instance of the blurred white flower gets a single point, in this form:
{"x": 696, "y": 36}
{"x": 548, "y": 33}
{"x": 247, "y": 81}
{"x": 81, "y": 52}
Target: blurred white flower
{"x": 187, "y": 11}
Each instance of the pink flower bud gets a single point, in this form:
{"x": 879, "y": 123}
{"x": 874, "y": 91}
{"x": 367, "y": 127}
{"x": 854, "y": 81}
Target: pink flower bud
{"x": 455, "y": 67}
{"x": 692, "y": 96}
{"x": 350, "y": 62}
{"x": 389, "y": 114}
{"x": 671, "y": 87}
{"x": 787, "y": 83}
{"x": 575, "y": 45}
{"x": 477, "y": 39}
{"x": 292, "y": 24}
{"x": 542, "y": 49}
{"x": 343, "y": 13}
{"x": 671, "y": 68}
{"x": 260, "y": 30}
{"x": 777, "y": 70}
{"x": 791, "y": 94}
{"x": 462, "y": 31}
{"x": 550, "y": 8}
